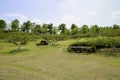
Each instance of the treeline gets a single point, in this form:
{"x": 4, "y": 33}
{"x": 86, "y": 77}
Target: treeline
{"x": 74, "y": 31}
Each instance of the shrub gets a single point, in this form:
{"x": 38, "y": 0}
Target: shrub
{"x": 42, "y": 42}
{"x": 107, "y": 42}
{"x": 97, "y": 43}
{"x": 81, "y": 47}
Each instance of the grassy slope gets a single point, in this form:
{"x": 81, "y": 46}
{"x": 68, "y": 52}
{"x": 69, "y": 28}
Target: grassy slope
{"x": 53, "y": 63}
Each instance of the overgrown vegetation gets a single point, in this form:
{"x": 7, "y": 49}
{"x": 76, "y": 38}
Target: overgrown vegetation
{"x": 110, "y": 43}
{"x": 103, "y": 37}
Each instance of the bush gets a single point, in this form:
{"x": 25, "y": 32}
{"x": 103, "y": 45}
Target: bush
{"x": 81, "y": 47}
{"x": 107, "y": 42}
{"x": 42, "y": 42}
{"x": 97, "y": 43}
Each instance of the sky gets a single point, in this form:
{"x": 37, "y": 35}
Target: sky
{"x": 79, "y": 12}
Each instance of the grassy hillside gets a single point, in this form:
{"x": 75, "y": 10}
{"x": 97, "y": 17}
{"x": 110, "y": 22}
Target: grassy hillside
{"x": 54, "y": 63}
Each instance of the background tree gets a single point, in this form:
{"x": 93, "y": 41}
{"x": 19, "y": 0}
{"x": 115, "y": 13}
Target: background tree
{"x": 15, "y": 25}
{"x": 37, "y": 29}
{"x": 54, "y": 30}
{"x": 94, "y": 29}
{"x": 74, "y": 29}
{"x": 66, "y": 31}
{"x": 115, "y": 26}
{"x": 22, "y": 28}
{"x": 62, "y": 28}
{"x": 27, "y": 26}
{"x": 50, "y": 26}
{"x": 84, "y": 29}
{"x": 44, "y": 29}
{"x": 2, "y": 25}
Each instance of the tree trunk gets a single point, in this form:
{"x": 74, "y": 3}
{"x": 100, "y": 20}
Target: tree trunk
{"x": 19, "y": 46}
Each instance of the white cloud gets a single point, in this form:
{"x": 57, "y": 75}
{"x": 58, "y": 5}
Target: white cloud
{"x": 37, "y": 21}
{"x": 70, "y": 19}
{"x": 93, "y": 13}
{"x": 69, "y": 4}
{"x": 22, "y": 18}
{"x": 116, "y": 14}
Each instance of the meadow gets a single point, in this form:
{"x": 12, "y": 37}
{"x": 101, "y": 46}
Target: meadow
{"x": 54, "y": 63}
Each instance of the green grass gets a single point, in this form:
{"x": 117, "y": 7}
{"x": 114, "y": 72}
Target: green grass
{"x": 54, "y": 63}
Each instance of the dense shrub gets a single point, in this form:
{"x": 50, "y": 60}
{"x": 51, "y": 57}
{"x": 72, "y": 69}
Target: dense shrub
{"x": 42, "y": 42}
{"x": 81, "y": 47}
{"x": 107, "y": 42}
{"x": 98, "y": 43}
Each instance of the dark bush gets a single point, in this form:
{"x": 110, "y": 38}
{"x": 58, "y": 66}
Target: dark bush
{"x": 42, "y": 42}
{"x": 81, "y": 47}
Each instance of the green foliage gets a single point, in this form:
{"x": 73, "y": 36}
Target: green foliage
{"x": 84, "y": 29}
{"x": 94, "y": 29}
{"x": 37, "y": 29}
{"x": 62, "y": 31}
{"x": 62, "y": 28}
{"x": 81, "y": 47}
{"x": 74, "y": 29}
{"x": 54, "y": 30}
{"x": 26, "y": 27}
{"x": 50, "y": 27}
{"x": 2, "y": 25}
{"x": 100, "y": 43}
{"x": 16, "y": 38}
{"x": 3, "y": 35}
{"x": 107, "y": 42}
{"x": 15, "y": 25}
{"x": 44, "y": 29}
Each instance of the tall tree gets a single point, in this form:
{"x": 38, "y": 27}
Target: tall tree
{"x": 37, "y": 29}
{"x": 44, "y": 29}
{"x": 2, "y": 25}
{"x": 62, "y": 28}
{"x": 50, "y": 26}
{"x": 94, "y": 29}
{"x": 27, "y": 26}
{"x": 22, "y": 28}
{"x": 84, "y": 29}
{"x": 54, "y": 30}
{"x": 74, "y": 29}
{"x": 66, "y": 31}
{"x": 115, "y": 26}
{"x": 15, "y": 25}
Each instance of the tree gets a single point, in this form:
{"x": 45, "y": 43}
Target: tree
{"x": 23, "y": 28}
{"x": 84, "y": 29}
{"x": 44, "y": 29}
{"x": 62, "y": 28}
{"x": 2, "y": 25}
{"x": 74, "y": 29}
{"x": 50, "y": 26}
{"x": 37, "y": 29}
{"x": 18, "y": 39}
{"x": 54, "y": 30}
{"x": 15, "y": 25}
{"x": 94, "y": 29}
{"x": 115, "y": 26}
{"x": 27, "y": 26}
{"x": 66, "y": 31}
